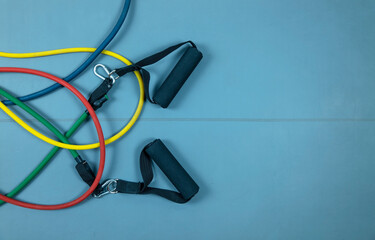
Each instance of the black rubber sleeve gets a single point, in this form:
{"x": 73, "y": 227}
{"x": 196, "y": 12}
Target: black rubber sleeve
{"x": 86, "y": 173}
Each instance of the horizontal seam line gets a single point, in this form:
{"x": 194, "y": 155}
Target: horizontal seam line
{"x": 213, "y": 120}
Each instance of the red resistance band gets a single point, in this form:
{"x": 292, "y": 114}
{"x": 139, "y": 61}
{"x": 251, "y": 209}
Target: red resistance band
{"x": 98, "y": 129}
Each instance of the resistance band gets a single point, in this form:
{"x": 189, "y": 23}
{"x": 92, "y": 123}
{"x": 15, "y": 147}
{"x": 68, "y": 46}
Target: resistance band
{"x": 81, "y": 68}
{"x": 98, "y": 129}
{"x": 82, "y": 167}
{"x": 72, "y": 146}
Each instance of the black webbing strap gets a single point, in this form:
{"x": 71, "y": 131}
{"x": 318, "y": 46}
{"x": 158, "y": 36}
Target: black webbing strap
{"x": 151, "y": 59}
{"x": 158, "y": 152}
{"x": 175, "y": 79}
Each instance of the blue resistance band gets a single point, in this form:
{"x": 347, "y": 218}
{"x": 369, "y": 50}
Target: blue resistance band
{"x": 81, "y": 68}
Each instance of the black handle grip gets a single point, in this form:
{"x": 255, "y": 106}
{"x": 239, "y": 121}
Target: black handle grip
{"x": 178, "y": 76}
{"x": 172, "y": 169}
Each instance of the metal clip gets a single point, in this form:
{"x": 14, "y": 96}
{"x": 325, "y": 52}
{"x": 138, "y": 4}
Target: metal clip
{"x": 111, "y": 74}
{"x": 108, "y": 187}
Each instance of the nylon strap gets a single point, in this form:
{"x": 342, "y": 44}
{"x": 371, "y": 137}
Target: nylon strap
{"x": 138, "y": 66}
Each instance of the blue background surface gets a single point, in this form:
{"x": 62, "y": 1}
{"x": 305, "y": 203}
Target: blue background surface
{"x": 277, "y": 123}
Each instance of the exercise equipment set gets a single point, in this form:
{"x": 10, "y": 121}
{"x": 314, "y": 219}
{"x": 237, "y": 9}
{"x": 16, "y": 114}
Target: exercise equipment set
{"x": 154, "y": 152}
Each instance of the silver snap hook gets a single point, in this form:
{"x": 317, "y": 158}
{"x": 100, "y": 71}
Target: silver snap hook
{"x": 108, "y": 187}
{"x": 110, "y": 74}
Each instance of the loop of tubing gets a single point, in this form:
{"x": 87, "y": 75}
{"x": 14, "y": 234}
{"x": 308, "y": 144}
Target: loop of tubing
{"x": 98, "y": 129}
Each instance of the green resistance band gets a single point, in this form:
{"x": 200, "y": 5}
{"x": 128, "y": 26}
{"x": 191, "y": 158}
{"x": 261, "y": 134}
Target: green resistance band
{"x": 53, "y": 152}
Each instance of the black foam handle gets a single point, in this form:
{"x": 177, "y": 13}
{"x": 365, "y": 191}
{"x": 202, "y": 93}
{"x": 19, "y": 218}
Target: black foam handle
{"x": 178, "y": 76}
{"x": 172, "y": 169}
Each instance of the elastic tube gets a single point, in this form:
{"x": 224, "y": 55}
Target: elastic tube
{"x": 100, "y": 135}
{"x": 75, "y": 50}
{"x": 81, "y": 68}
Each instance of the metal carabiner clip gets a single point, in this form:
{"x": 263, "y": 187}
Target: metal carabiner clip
{"x": 108, "y": 187}
{"x": 111, "y": 74}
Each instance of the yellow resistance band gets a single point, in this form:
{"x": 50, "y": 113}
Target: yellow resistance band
{"x": 72, "y": 146}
